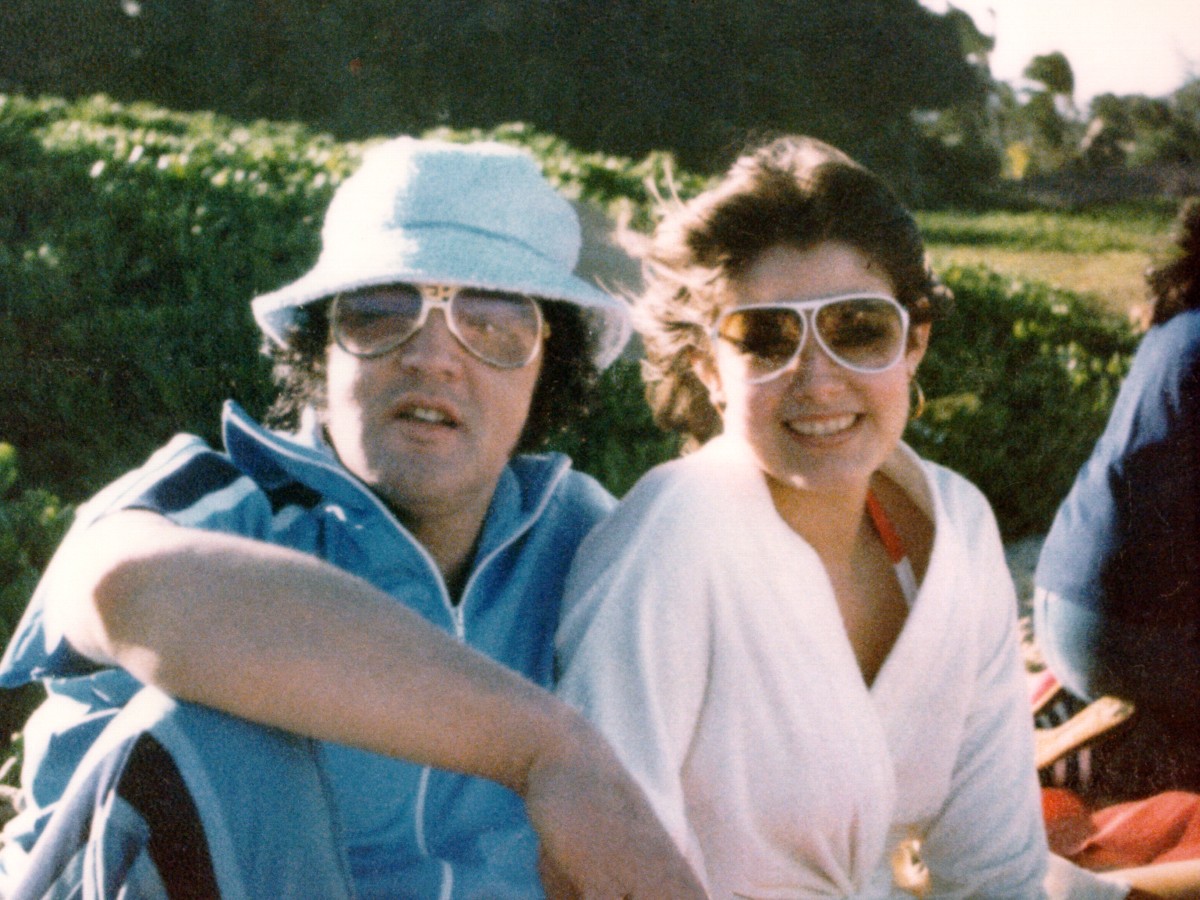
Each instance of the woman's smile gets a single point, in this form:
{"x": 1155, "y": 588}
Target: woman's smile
{"x": 825, "y": 426}
{"x": 818, "y": 425}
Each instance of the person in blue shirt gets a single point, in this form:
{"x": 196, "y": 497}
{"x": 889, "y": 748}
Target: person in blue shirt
{"x": 314, "y": 663}
{"x": 1117, "y": 604}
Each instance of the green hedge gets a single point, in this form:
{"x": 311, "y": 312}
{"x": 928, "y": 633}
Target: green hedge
{"x": 32, "y": 522}
{"x": 131, "y": 239}
{"x": 1021, "y": 379}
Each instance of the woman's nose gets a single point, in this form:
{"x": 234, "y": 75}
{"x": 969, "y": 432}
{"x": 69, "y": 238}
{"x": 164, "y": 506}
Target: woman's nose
{"x": 813, "y": 365}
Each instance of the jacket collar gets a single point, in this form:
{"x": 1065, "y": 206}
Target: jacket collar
{"x": 276, "y": 459}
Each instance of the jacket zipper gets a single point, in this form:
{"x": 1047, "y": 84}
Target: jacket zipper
{"x": 456, "y": 611}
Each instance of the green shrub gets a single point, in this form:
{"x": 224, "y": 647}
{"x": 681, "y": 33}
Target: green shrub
{"x": 1021, "y": 379}
{"x": 615, "y": 184}
{"x": 617, "y": 441}
{"x": 32, "y": 522}
{"x": 131, "y": 239}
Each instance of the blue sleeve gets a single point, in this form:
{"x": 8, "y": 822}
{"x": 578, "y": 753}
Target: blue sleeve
{"x": 185, "y": 481}
{"x": 1127, "y": 537}
{"x": 1124, "y": 549}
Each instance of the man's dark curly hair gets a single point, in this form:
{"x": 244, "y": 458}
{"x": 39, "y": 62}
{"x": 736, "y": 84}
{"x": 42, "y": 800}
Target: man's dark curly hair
{"x": 561, "y": 397}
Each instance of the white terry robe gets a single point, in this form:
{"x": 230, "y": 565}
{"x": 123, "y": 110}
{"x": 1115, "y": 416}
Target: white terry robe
{"x": 701, "y": 634}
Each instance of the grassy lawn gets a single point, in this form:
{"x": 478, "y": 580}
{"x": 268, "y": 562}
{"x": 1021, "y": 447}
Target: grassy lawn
{"x": 1112, "y": 279}
{"x": 1100, "y": 253}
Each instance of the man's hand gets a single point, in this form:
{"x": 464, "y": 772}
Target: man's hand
{"x": 1161, "y": 881}
{"x": 600, "y": 837}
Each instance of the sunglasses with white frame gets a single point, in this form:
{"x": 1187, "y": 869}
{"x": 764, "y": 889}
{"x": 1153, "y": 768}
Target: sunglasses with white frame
{"x": 503, "y": 329}
{"x": 864, "y": 332}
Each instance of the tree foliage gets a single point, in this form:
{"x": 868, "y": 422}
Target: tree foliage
{"x": 1146, "y": 131}
{"x": 1054, "y": 72}
{"x": 694, "y": 77}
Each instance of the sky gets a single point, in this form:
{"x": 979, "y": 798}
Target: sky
{"x": 1146, "y": 47}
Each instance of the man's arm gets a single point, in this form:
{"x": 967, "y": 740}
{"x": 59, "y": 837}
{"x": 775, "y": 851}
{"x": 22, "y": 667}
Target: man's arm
{"x": 1163, "y": 880}
{"x": 281, "y": 638}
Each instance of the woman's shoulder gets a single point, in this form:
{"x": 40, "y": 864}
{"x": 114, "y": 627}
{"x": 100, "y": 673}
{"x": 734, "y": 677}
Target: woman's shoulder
{"x": 699, "y": 480}
{"x": 948, "y": 498}
{"x": 954, "y": 486}
{"x": 930, "y": 484}
{"x": 662, "y": 538}
{"x": 687, "y": 504}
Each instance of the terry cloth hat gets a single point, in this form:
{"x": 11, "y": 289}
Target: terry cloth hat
{"x": 477, "y": 215}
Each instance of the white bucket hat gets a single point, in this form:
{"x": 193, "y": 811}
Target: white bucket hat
{"x": 477, "y": 215}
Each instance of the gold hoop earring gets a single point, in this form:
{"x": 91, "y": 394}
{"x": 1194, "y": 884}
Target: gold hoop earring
{"x": 918, "y": 399}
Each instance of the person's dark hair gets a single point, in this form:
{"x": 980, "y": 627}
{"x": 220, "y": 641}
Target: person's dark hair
{"x": 1175, "y": 284}
{"x": 299, "y": 368}
{"x": 568, "y": 376}
{"x": 563, "y": 390}
{"x": 795, "y": 191}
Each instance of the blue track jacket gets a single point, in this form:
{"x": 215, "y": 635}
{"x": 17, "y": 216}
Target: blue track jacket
{"x": 409, "y": 831}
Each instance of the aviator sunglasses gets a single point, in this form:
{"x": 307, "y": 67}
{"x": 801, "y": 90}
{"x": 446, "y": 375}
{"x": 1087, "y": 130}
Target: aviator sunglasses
{"x": 500, "y": 328}
{"x": 863, "y": 332}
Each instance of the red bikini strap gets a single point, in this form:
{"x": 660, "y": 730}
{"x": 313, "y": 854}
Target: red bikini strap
{"x": 887, "y": 531}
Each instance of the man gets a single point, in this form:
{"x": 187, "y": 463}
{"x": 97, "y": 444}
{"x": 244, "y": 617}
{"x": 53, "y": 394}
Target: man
{"x": 441, "y": 329}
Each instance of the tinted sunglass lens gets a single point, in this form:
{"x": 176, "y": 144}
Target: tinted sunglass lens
{"x": 373, "y": 321}
{"x": 500, "y": 328}
{"x": 766, "y": 338}
{"x": 864, "y": 333}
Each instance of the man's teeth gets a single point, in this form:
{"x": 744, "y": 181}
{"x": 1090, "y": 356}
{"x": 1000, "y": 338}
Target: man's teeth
{"x": 824, "y": 427}
{"x": 429, "y": 415}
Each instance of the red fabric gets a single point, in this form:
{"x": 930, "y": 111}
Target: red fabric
{"x": 1162, "y": 828}
{"x": 887, "y": 531}
{"x": 1042, "y": 687}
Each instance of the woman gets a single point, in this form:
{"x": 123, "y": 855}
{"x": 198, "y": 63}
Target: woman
{"x": 801, "y": 637}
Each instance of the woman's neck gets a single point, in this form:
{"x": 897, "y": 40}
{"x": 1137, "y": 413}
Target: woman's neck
{"x": 867, "y": 591}
{"x": 831, "y": 522}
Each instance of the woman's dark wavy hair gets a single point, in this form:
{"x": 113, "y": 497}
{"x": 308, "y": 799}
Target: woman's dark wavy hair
{"x": 795, "y": 191}
{"x": 1175, "y": 284}
{"x": 561, "y": 397}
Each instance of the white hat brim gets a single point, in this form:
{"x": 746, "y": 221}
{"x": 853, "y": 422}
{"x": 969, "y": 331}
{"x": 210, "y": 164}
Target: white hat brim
{"x": 442, "y": 254}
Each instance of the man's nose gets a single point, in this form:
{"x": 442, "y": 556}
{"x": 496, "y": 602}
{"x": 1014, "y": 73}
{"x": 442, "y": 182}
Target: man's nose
{"x": 433, "y": 347}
